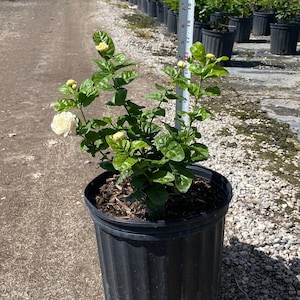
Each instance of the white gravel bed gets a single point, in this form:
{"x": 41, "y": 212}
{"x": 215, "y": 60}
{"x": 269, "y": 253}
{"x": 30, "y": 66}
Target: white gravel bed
{"x": 261, "y": 246}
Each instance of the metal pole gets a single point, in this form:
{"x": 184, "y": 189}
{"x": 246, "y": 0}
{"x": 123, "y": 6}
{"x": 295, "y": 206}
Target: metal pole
{"x": 185, "y": 41}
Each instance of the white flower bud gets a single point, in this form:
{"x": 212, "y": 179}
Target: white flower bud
{"x": 181, "y": 64}
{"x": 119, "y": 136}
{"x": 210, "y": 56}
{"x": 102, "y": 47}
{"x": 71, "y": 82}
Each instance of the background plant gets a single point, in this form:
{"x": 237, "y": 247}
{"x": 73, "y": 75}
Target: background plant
{"x": 139, "y": 145}
{"x": 286, "y": 10}
{"x": 220, "y": 12}
{"x": 264, "y": 5}
{"x": 202, "y": 11}
{"x": 172, "y": 4}
{"x": 241, "y": 8}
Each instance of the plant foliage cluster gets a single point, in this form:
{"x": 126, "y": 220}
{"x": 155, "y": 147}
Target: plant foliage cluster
{"x": 138, "y": 144}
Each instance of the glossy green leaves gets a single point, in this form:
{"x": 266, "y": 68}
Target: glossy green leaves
{"x": 138, "y": 143}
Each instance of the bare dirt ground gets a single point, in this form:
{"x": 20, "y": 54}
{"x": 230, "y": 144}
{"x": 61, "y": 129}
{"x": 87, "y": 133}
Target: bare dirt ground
{"x": 48, "y": 250}
{"x": 47, "y": 247}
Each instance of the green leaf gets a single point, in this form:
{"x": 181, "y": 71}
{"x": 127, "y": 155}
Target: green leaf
{"x": 118, "y": 98}
{"x": 199, "y": 152}
{"x": 157, "y": 194}
{"x": 198, "y": 51}
{"x": 87, "y": 87}
{"x": 120, "y": 58}
{"x": 170, "y": 95}
{"x": 152, "y": 113}
{"x": 194, "y": 90}
{"x": 137, "y": 145}
{"x": 170, "y": 148}
{"x": 102, "y": 81}
{"x": 196, "y": 69}
{"x": 85, "y": 100}
{"x": 183, "y": 177}
{"x": 170, "y": 71}
{"x": 107, "y": 165}
{"x": 87, "y": 93}
{"x": 222, "y": 58}
{"x": 183, "y": 183}
{"x": 172, "y": 130}
{"x": 113, "y": 144}
{"x": 150, "y": 128}
{"x": 216, "y": 71}
{"x": 66, "y": 90}
{"x": 182, "y": 82}
{"x": 124, "y": 78}
{"x": 200, "y": 114}
{"x": 162, "y": 177}
{"x": 160, "y": 87}
{"x": 156, "y": 96}
{"x": 133, "y": 109}
{"x": 137, "y": 196}
{"x": 97, "y": 123}
{"x": 106, "y": 66}
{"x": 122, "y": 161}
{"x": 64, "y": 104}
{"x": 121, "y": 120}
{"x": 159, "y": 163}
{"x": 123, "y": 175}
{"x": 139, "y": 182}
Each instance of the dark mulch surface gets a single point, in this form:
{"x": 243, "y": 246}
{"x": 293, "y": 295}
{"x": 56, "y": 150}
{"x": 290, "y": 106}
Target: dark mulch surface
{"x": 112, "y": 201}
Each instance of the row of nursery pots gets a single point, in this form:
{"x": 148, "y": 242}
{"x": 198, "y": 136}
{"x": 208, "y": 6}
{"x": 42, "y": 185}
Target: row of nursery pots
{"x": 284, "y": 37}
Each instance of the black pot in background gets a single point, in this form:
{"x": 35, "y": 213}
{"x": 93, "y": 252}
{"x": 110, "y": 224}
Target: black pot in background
{"x": 160, "y": 11}
{"x": 172, "y": 21}
{"x": 284, "y": 38}
{"x": 261, "y": 22}
{"x": 298, "y": 22}
{"x": 151, "y": 9}
{"x": 242, "y": 28}
{"x": 166, "y": 10}
{"x": 163, "y": 260}
{"x": 144, "y": 6}
{"x": 197, "y": 33}
{"x": 218, "y": 43}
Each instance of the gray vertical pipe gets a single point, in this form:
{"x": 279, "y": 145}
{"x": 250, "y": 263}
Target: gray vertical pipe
{"x": 185, "y": 41}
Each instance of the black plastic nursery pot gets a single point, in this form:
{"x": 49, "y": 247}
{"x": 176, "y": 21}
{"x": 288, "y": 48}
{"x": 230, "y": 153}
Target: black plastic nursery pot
{"x": 242, "y": 28}
{"x": 163, "y": 260}
{"x": 197, "y": 32}
{"x": 172, "y": 21}
{"x": 218, "y": 43}
{"x": 160, "y": 11}
{"x": 261, "y": 22}
{"x": 144, "y": 6}
{"x": 298, "y": 23}
{"x": 151, "y": 9}
{"x": 284, "y": 38}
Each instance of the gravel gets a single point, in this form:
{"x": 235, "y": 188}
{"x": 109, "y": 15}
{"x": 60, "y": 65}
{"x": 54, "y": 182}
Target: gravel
{"x": 261, "y": 244}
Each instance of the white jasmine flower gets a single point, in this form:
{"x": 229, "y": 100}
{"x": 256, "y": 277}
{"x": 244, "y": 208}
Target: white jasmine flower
{"x": 64, "y": 124}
